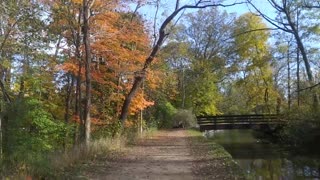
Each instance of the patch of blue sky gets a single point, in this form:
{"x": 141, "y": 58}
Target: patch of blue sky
{"x": 167, "y": 6}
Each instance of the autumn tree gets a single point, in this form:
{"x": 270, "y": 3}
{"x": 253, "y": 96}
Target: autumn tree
{"x": 118, "y": 45}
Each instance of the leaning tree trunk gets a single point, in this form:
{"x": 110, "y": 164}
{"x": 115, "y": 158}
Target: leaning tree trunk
{"x": 139, "y": 76}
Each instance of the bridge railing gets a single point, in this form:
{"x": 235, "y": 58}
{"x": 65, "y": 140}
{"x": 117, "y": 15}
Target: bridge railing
{"x": 213, "y": 122}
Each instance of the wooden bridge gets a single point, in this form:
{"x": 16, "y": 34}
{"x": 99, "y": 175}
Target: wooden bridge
{"x": 252, "y": 121}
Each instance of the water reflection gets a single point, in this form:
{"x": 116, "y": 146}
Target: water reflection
{"x": 263, "y": 160}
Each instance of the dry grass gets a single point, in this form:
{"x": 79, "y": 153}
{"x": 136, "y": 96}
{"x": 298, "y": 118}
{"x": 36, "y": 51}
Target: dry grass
{"x": 61, "y": 164}
{"x": 67, "y": 164}
{"x": 100, "y": 148}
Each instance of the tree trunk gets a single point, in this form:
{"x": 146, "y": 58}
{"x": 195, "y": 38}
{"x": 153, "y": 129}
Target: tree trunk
{"x": 125, "y": 108}
{"x": 298, "y": 64}
{"x": 298, "y": 77}
{"x": 5, "y": 147}
{"x": 86, "y": 41}
{"x": 289, "y": 77}
{"x": 183, "y": 88}
{"x": 78, "y": 110}
{"x": 304, "y": 57}
{"x": 68, "y": 102}
{"x": 139, "y": 76}
{"x": 78, "y": 134}
{"x": 162, "y": 35}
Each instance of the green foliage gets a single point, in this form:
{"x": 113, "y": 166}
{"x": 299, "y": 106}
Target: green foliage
{"x": 251, "y": 45}
{"x": 233, "y": 102}
{"x": 254, "y": 85}
{"x": 38, "y": 123}
{"x": 111, "y": 130}
{"x": 202, "y": 92}
{"x": 303, "y": 126}
{"x": 185, "y": 118}
{"x": 164, "y": 114}
{"x": 199, "y": 54}
{"x": 32, "y": 132}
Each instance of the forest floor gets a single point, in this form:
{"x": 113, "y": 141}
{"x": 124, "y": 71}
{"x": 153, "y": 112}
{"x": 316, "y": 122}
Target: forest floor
{"x": 171, "y": 154}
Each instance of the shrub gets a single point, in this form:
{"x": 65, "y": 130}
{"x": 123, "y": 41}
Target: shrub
{"x": 302, "y": 127}
{"x": 164, "y": 114}
{"x": 184, "y": 118}
{"x": 112, "y": 129}
{"x": 31, "y": 133}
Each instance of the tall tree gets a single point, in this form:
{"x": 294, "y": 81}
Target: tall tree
{"x": 285, "y": 21}
{"x": 163, "y": 33}
{"x": 254, "y": 62}
{"x": 86, "y": 39}
{"x": 200, "y": 52}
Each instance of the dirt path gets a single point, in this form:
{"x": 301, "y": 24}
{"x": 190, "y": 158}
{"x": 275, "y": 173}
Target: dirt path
{"x": 163, "y": 156}
{"x": 167, "y": 155}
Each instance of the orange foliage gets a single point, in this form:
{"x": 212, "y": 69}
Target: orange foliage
{"x": 119, "y": 39}
{"x": 76, "y": 119}
{"x": 129, "y": 124}
{"x": 122, "y": 41}
{"x": 139, "y": 103}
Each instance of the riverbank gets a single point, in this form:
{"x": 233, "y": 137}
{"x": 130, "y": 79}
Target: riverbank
{"x": 261, "y": 159}
{"x": 170, "y": 154}
{"x": 213, "y": 161}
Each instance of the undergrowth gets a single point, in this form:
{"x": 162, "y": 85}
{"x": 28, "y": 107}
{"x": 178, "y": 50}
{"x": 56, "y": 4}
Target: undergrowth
{"x": 65, "y": 164}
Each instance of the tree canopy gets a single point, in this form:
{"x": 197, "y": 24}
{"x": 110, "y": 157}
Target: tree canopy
{"x": 75, "y": 70}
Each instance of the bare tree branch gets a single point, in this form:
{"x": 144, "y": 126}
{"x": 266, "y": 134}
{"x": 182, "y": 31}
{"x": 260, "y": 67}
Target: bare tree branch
{"x": 313, "y": 5}
{"x": 155, "y": 36}
{"x": 310, "y": 87}
{"x": 177, "y": 4}
{"x": 267, "y": 18}
{"x": 250, "y": 31}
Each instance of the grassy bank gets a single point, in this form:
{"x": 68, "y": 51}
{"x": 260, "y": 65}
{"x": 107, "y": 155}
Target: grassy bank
{"x": 217, "y": 162}
{"x": 68, "y": 163}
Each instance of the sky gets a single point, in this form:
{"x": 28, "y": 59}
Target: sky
{"x": 167, "y": 7}
{"x": 263, "y": 5}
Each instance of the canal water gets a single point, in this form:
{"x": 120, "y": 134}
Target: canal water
{"x": 262, "y": 160}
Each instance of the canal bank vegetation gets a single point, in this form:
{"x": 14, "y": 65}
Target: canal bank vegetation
{"x": 217, "y": 162}
{"x": 302, "y": 130}
{"x": 67, "y": 79}
{"x": 67, "y": 163}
